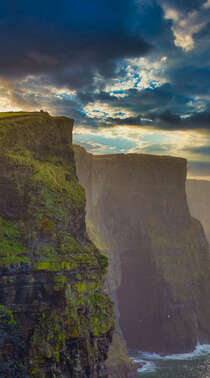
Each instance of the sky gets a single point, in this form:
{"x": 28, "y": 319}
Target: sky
{"x": 133, "y": 74}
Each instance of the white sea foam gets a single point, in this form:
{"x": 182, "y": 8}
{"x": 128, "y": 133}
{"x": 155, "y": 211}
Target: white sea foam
{"x": 148, "y": 359}
{"x": 199, "y": 351}
{"x": 148, "y": 367}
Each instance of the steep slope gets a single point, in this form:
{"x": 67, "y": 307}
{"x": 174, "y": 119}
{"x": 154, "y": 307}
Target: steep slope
{"x": 138, "y": 205}
{"x": 118, "y": 363}
{"x": 198, "y": 197}
{"x": 55, "y": 317}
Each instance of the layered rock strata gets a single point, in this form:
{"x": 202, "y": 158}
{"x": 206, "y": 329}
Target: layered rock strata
{"x": 55, "y": 317}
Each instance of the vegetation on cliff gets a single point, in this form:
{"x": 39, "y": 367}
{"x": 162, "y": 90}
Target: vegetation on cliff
{"x": 51, "y": 275}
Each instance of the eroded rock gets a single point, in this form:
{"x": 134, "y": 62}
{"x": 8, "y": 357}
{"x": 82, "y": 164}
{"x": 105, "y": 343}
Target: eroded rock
{"x": 55, "y": 317}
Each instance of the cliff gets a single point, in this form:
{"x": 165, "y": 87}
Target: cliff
{"x": 138, "y": 206}
{"x": 118, "y": 363}
{"x": 55, "y": 317}
{"x": 198, "y": 197}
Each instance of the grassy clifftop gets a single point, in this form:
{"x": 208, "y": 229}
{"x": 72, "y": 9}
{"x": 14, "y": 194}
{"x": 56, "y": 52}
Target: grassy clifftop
{"x": 10, "y": 115}
{"x": 36, "y": 131}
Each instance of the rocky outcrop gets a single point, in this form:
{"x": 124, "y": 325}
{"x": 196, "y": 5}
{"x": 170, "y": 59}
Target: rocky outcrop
{"x": 138, "y": 206}
{"x": 55, "y": 317}
{"x": 198, "y": 197}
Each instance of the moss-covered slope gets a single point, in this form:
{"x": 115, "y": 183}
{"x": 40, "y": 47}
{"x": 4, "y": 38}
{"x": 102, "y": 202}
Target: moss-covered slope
{"x": 138, "y": 206}
{"x": 55, "y": 318}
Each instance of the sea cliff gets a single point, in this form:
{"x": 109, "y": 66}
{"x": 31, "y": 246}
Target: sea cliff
{"x": 55, "y": 317}
{"x": 198, "y": 197}
{"x": 158, "y": 253}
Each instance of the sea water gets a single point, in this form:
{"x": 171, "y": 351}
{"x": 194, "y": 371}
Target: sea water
{"x": 189, "y": 365}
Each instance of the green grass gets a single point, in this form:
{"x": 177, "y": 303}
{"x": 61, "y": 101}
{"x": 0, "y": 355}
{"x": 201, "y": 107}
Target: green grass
{"x": 12, "y": 251}
{"x": 51, "y": 175}
{"x": 18, "y": 114}
{"x": 22, "y": 129}
{"x": 6, "y": 316}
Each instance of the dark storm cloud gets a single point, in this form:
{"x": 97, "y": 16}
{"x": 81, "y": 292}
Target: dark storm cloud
{"x": 153, "y": 103}
{"x": 168, "y": 118}
{"x": 199, "y": 120}
{"x": 169, "y": 121}
{"x": 153, "y": 26}
{"x": 73, "y": 58}
{"x": 69, "y": 41}
{"x": 146, "y": 100}
{"x": 80, "y": 44}
{"x": 130, "y": 121}
{"x": 191, "y": 80}
{"x": 188, "y": 73}
{"x": 149, "y": 99}
{"x": 187, "y": 5}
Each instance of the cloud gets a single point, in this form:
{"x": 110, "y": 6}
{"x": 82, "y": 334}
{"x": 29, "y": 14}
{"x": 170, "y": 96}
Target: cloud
{"x": 178, "y": 142}
{"x": 184, "y": 26}
{"x": 184, "y": 5}
{"x": 199, "y": 169}
{"x": 202, "y": 150}
{"x": 144, "y": 101}
{"x": 69, "y": 43}
{"x": 128, "y": 121}
{"x": 169, "y": 121}
{"x": 139, "y": 73}
{"x": 139, "y": 67}
{"x": 206, "y": 4}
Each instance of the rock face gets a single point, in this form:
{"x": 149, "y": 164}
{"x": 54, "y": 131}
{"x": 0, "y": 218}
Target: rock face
{"x": 55, "y": 317}
{"x": 118, "y": 363}
{"x": 162, "y": 277}
{"x": 198, "y": 197}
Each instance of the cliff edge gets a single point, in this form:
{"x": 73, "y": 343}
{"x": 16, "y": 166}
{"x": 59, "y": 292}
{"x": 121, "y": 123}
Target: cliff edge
{"x": 55, "y": 317}
{"x": 198, "y": 197}
{"x": 138, "y": 205}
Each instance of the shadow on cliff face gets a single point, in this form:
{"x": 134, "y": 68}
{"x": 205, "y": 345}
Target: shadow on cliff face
{"x": 198, "y": 197}
{"x": 138, "y": 206}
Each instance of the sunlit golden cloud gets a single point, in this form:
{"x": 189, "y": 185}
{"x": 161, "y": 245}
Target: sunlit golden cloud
{"x": 206, "y": 4}
{"x": 184, "y": 27}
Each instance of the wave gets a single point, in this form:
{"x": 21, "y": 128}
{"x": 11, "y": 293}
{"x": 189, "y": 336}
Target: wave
{"x": 199, "y": 351}
{"x": 148, "y": 367}
{"x": 149, "y": 360}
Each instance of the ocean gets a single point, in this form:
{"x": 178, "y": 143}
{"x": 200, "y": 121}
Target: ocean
{"x": 189, "y": 365}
